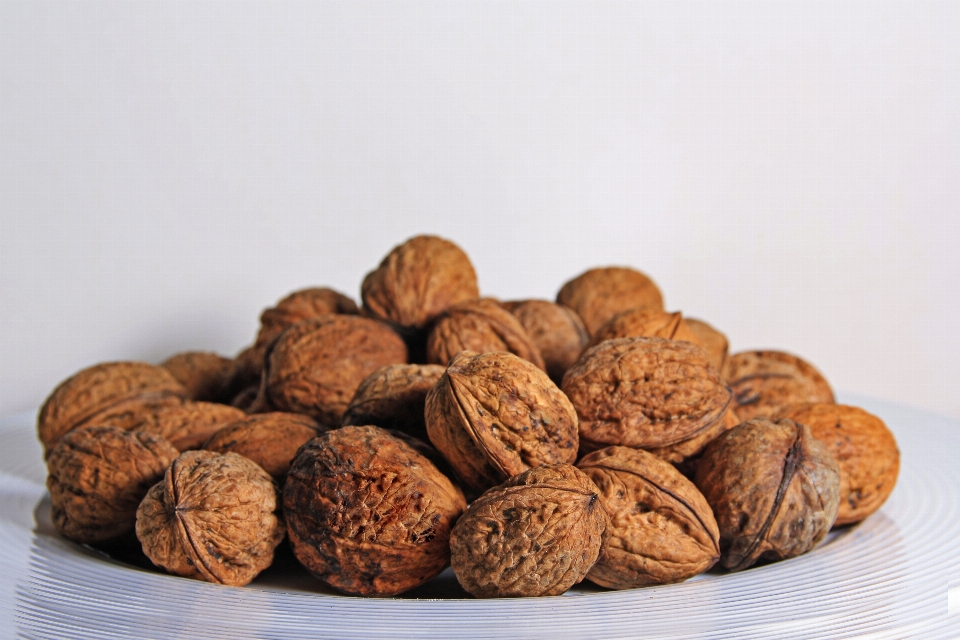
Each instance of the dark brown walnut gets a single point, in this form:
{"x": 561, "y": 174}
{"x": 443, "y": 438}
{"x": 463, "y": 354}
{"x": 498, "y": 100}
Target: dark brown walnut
{"x": 648, "y": 393}
{"x": 482, "y": 326}
{"x": 189, "y": 425}
{"x": 89, "y": 394}
{"x": 537, "y": 534}
{"x": 494, "y": 415}
{"x": 213, "y": 517}
{"x": 661, "y": 528}
{"x": 764, "y": 382}
{"x": 774, "y": 490}
{"x": 599, "y": 294}
{"x": 368, "y": 514}
{"x": 206, "y": 376}
{"x": 269, "y": 439}
{"x": 557, "y": 331}
{"x": 315, "y": 366}
{"x": 393, "y": 397}
{"x": 417, "y": 281}
{"x": 864, "y": 448}
{"x": 647, "y": 322}
{"x": 711, "y": 340}
{"x": 97, "y": 477}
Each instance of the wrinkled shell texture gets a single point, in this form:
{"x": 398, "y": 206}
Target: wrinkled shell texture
{"x": 494, "y": 415}
{"x": 645, "y": 322}
{"x": 863, "y": 447}
{"x": 367, "y": 514}
{"x": 78, "y": 400}
{"x": 213, "y": 517}
{"x": 316, "y": 366}
{"x": 482, "y": 326}
{"x": 661, "y": 528}
{"x": 190, "y": 425}
{"x": 599, "y": 294}
{"x": 646, "y": 393}
{"x": 557, "y": 331}
{"x": 712, "y": 341}
{"x": 97, "y": 478}
{"x": 774, "y": 490}
{"x": 765, "y": 382}
{"x": 537, "y": 534}
{"x": 269, "y": 439}
{"x": 206, "y": 376}
{"x": 393, "y": 397}
{"x": 417, "y": 281}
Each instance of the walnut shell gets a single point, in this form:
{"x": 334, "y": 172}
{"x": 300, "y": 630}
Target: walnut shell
{"x": 537, "y": 534}
{"x": 206, "y": 376}
{"x": 774, "y": 490}
{"x": 98, "y": 476}
{"x": 647, "y": 393}
{"x": 213, "y": 517}
{"x": 648, "y": 322}
{"x": 393, "y": 397}
{"x": 599, "y": 294}
{"x": 315, "y": 366}
{"x": 661, "y": 528}
{"x": 494, "y": 415}
{"x": 189, "y": 425}
{"x": 417, "y": 281}
{"x": 864, "y": 448}
{"x": 88, "y": 394}
{"x": 269, "y": 439}
{"x": 367, "y": 514}
{"x": 482, "y": 326}
{"x": 764, "y": 382}
{"x": 557, "y": 331}
{"x": 712, "y": 341}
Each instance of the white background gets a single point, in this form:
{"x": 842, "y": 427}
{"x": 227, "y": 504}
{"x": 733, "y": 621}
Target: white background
{"x": 788, "y": 172}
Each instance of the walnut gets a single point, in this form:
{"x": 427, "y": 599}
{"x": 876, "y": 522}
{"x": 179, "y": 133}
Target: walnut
{"x": 863, "y": 447}
{"x": 109, "y": 387}
{"x": 537, "y": 534}
{"x": 764, "y": 382}
{"x": 98, "y": 476}
{"x": 189, "y": 425}
{"x": 557, "y": 331}
{"x": 661, "y": 528}
{"x": 648, "y": 393}
{"x": 269, "y": 439}
{"x": 417, "y": 281}
{"x": 648, "y": 322}
{"x": 773, "y": 488}
{"x": 393, "y": 397}
{"x": 213, "y": 517}
{"x": 206, "y": 376}
{"x": 482, "y": 326}
{"x": 494, "y": 415}
{"x": 711, "y": 340}
{"x": 315, "y": 366}
{"x": 367, "y": 514}
{"x": 599, "y": 294}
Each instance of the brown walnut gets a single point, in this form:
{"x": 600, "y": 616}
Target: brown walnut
{"x": 482, "y": 326}
{"x": 206, "y": 376}
{"x": 712, "y": 341}
{"x": 599, "y": 294}
{"x": 764, "y": 382}
{"x": 393, "y": 397}
{"x": 537, "y": 534}
{"x": 494, "y": 415}
{"x": 213, "y": 517}
{"x": 367, "y": 514}
{"x": 863, "y": 447}
{"x": 647, "y": 322}
{"x": 661, "y": 528}
{"x": 269, "y": 439}
{"x": 557, "y": 331}
{"x": 189, "y": 425}
{"x": 774, "y": 490}
{"x": 98, "y": 476}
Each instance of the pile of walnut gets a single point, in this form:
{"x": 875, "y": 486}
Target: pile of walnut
{"x": 529, "y": 444}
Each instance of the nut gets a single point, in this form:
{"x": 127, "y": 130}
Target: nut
{"x": 213, "y": 517}
{"x": 557, "y": 331}
{"x": 367, "y": 514}
{"x": 764, "y": 382}
{"x": 206, "y": 376}
{"x": 599, "y": 294}
{"x": 863, "y": 447}
{"x": 661, "y": 528}
{"x": 537, "y": 534}
{"x": 98, "y": 476}
{"x": 269, "y": 439}
{"x": 393, "y": 397}
{"x": 711, "y": 340}
{"x": 494, "y": 415}
{"x": 189, "y": 425}
{"x": 647, "y": 322}
{"x": 773, "y": 488}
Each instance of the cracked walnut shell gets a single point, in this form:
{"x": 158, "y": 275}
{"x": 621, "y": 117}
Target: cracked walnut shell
{"x": 764, "y": 382}
{"x": 213, "y": 517}
{"x": 599, "y": 294}
{"x": 557, "y": 331}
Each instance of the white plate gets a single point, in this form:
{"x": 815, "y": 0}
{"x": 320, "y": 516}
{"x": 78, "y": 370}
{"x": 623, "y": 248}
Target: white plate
{"x": 896, "y": 575}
